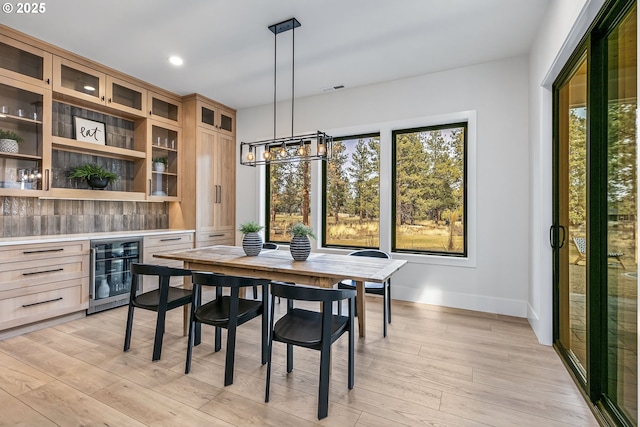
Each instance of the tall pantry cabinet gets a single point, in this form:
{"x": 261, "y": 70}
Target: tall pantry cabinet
{"x": 209, "y": 172}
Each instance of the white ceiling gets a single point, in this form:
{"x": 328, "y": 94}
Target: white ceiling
{"x": 228, "y": 50}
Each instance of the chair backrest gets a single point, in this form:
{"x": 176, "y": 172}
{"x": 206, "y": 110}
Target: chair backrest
{"x": 581, "y": 244}
{"x": 376, "y": 253}
{"x": 306, "y": 293}
{"x": 269, "y": 245}
{"x": 158, "y": 270}
{"x": 226, "y": 281}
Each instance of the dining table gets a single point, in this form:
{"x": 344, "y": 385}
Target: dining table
{"x": 319, "y": 269}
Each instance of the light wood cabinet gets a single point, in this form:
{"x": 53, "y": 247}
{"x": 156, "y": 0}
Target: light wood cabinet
{"x": 165, "y": 109}
{"x": 25, "y": 109}
{"x": 209, "y": 175}
{"x": 95, "y": 86}
{"x": 42, "y": 281}
{"x": 164, "y": 145}
{"x": 24, "y": 62}
{"x": 164, "y": 243}
{"x": 216, "y": 117}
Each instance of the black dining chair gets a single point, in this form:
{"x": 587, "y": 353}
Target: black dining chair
{"x": 229, "y": 312}
{"x": 383, "y": 289}
{"x": 160, "y": 300}
{"x": 313, "y": 330}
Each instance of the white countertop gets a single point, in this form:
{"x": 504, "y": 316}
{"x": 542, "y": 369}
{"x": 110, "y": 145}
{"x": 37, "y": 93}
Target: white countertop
{"x": 91, "y": 236}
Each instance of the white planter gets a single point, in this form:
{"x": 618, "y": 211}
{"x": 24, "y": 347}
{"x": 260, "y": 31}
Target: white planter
{"x": 158, "y": 166}
{"x": 8, "y": 146}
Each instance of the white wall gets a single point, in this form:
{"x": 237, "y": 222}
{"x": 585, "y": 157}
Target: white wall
{"x": 565, "y": 23}
{"x": 495, "y": 95}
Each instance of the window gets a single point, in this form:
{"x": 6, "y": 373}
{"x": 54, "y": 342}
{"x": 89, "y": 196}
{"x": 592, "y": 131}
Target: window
{"x": 429, "y": 177}
{"x": 351, "y": 188}
{"x": 288, "y": 198}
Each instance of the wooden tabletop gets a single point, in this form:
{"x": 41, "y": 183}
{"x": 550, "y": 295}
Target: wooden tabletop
{"x": 329, "y": 266}
{"x": 320, "y": 269}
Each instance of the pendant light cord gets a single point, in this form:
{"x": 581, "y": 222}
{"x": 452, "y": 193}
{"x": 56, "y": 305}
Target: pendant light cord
{"x": 293, "y": 74}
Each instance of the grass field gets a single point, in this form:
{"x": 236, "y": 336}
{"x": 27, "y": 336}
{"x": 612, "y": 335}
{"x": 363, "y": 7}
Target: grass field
{"x": 350, "y": 231}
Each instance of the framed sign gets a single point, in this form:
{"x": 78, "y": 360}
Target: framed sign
{"x": 89, "y": 130}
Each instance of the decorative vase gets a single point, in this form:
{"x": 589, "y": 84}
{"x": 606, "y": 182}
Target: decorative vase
{"x": 300, "y": 248}
{"x": 97, "y": 183}
{"x": 158, "y": 166}
{"x": 8, "y": 145}
{"x": 103, "y": 290}
{"x": 252, "y": 244}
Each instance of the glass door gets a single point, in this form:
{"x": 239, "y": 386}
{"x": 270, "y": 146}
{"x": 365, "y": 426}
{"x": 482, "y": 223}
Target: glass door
{"x": 595, "y": 231}
{"x": 622, "y": 221}
{"x": 572, "y": 210}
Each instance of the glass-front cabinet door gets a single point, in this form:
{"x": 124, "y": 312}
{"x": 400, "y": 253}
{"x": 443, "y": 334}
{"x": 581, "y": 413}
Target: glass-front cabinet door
{"x": 217, "y": 118}
{"x": 78, "y": 80}
{"x": 164, "y": 165}
{"x": 165, "y": 109}
{"x": 25, "y": 128}
{"x": 126, "y": 96}
{"x": 25, "y": 63}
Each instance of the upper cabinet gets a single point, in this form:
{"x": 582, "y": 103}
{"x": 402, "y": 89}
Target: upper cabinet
{"x": 91, "y": 85}
{"x": 165, "y": 109}
{"x": 24, "y": 152}
{"x": 23, "y": 62}
{"x": 216, "y": 118}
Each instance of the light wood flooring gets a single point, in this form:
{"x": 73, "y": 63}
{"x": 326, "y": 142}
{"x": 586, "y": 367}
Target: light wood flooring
{"x": 437, "y": 367}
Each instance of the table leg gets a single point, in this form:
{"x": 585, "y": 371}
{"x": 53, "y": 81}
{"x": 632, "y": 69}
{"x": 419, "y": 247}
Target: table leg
{"x": 360, "y": 301}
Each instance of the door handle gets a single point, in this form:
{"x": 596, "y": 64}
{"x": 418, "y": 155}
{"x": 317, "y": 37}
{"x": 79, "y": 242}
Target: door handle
{"x": 564, "y": 235}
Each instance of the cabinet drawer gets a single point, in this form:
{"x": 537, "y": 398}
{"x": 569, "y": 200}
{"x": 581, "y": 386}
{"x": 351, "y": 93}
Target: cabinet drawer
{"x": 42, "y": 251}
{"x": 210, "y": 238}
{"x": 42, "y": 305}
{"x": 168, "y": 239}
{"x": 38, "y": 271}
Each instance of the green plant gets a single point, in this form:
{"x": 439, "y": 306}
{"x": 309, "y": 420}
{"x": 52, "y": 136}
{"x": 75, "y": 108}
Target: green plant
{"x": 7, "y": 134}
{"x": 300, "y": 229}
{"x": 250, "y": 227}
{"x": 88, "y": 170}
{"x": 161, "y": 160}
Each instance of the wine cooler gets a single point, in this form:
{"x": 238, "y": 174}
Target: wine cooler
{"x": 110, "y": 281}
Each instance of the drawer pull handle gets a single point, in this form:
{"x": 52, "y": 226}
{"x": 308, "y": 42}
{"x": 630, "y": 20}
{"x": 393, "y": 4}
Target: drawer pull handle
{"x": 43, "y": 251}
{"x": 42, "y": 272}
{"x": 216, "y": 235}
{"x": 171, "y": 239}
{"x": 41, "y": 302}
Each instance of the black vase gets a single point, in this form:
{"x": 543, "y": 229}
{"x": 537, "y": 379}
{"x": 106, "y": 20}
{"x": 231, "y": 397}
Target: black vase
{"x": 97, "y": 183}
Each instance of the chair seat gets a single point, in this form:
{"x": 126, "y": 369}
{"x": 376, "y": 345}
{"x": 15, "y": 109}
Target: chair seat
{"x": 150, "y": 300}
{"x": 371, "y": 287}
{"x": 216, "y": 312}
{"x": 304, "y": 328}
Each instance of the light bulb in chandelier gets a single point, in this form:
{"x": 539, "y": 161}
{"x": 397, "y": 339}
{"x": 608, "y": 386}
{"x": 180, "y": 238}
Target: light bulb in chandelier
{"x": 250, "y": 156}
{"x": 301, "y": 151}
{"x": 322, "y": 150}
{"x": 266, "y": 155}
{"x": 283, "y": 151}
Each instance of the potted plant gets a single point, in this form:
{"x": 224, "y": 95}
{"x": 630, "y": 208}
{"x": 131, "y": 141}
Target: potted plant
{"x": 251, "y": 241}
{"x": 300, "y": 245}
{"x": 96, "y": 176}
{"x": 9, "y": 141}
{"x": 160, "y": 164}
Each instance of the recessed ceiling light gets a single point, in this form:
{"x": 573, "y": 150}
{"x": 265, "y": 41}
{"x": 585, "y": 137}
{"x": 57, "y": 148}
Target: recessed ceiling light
{"x": 176, "y": 60}
{"x": 89, "y": 88}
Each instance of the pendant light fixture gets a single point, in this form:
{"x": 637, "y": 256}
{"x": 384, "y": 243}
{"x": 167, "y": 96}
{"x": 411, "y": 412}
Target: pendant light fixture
{"x": 296, "y": 148}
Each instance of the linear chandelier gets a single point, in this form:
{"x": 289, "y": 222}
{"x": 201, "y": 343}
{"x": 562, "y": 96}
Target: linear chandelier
{"x": 296, "y": 148}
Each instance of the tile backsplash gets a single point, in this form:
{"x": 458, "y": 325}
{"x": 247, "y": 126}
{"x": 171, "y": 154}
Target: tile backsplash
{"x": 28, "y": 216}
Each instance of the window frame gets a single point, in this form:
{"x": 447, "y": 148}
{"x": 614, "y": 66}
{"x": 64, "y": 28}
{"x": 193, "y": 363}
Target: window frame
{"x": 323, "y": 199}
{"x": 465, "y": 197}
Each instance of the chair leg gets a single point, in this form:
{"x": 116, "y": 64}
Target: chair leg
{"x": 127, "y": 333}
{"x": 218, "y": 339}
{"x": 268, "y": 383}
{"x": 265, "y": 333}
{"x": 230, "y": 356}
{"x": 255, "y": 292}
{"x": 190, "y": 342}
{"x": 157, "y": 342}
{"x": 389, "y": 302}
{"x": 323, "y": 391}
{"x": 289, "y": 358}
